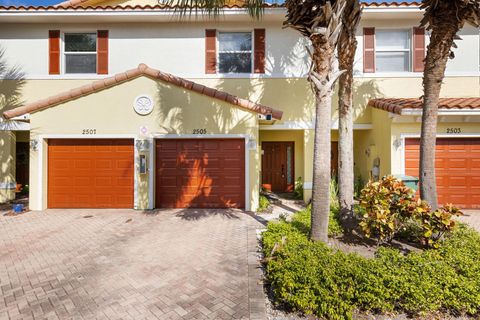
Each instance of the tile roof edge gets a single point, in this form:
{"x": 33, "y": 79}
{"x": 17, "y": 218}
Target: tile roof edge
{"x": 398, "y": 105}
{"x": 141, "y": 70}
{"x": 76, "y": 5}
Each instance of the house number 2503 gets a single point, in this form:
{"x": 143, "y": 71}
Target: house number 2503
{"x": 89, "y": 131}
{"x": 454, "y": 130}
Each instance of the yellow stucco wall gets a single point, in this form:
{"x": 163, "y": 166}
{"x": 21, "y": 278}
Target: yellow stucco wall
{"x": 291, "y": 95}
{"x": 111, "y": 114}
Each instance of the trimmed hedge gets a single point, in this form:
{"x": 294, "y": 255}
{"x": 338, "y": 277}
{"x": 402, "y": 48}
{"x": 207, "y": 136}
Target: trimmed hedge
{"x": 314, "y": 279}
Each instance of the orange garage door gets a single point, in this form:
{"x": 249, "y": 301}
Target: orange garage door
{"x": 457, "y": 168}
{"x": 200, "y": 173}
{"x": 90, "y": 173}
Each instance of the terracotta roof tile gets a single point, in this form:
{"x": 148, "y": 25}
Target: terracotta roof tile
{"x": 141, "y": 70}
{"x": 76, "y": 5}
{"x": 397, "y": 105}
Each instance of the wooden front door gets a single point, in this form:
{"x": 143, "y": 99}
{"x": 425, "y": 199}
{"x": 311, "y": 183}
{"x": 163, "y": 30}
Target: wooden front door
{"x": 334, "y": 159}
{"x": 277, "y": 166}
{"x": 22, "y": 163}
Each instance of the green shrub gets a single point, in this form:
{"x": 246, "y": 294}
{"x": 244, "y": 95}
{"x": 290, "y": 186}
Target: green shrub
{"x": 302, "y": 221}
{"x": 314, "y": 279}
{"x": 298, "y": 190}
{"x": 334, "y": 193}
{"x": 263, "y": 203}
{"x": 358, "y": 185}
{"x": 435, "y": 224}
{"x": 334, "y": 225}
{"x": 390, "y": 208}
{"x": 386, "y": 203}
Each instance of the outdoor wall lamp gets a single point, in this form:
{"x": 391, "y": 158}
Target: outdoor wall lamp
{"x": 34, "y": 144}
{"x": 142, "y": 145}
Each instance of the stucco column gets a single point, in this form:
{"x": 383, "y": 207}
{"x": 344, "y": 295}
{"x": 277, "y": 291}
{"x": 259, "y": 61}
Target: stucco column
{"x": 143, "y": 186}
{"x": 308, "y": 164}
{"x": 7, "y": 172}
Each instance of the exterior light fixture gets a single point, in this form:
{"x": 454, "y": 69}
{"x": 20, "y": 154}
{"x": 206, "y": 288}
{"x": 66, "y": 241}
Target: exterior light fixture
{"x": 34, "y": 144}
{"x": 142, "y": 145}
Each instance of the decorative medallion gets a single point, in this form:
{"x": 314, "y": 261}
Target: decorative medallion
{"x": 143, "y": 105}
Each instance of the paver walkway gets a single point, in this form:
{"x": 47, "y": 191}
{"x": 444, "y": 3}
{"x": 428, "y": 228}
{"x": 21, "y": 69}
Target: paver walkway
{"x": 472, "y": 218}
{"x": 123, "y": 264}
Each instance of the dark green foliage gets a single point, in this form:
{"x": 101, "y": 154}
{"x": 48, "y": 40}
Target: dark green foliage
{"x": 302, "y": 221}
{"x": 312, "y": 278}
{"x": 298, "y": 191}
{"x": 263, "y": 203}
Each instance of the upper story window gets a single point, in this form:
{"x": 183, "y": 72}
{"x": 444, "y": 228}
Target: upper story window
{"x": 80, "y": 52}
{"x": 235, "y": 52}
{"x": 393, "y": 50}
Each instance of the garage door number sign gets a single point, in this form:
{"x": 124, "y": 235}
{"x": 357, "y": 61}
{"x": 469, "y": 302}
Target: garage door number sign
{"x": 143, "y": 104}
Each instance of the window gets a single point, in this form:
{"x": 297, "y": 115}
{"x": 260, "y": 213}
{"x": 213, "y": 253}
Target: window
{"x": 235, "y": 52}
{"x": 392, "y": 50}
{"x": 80, "y": 52}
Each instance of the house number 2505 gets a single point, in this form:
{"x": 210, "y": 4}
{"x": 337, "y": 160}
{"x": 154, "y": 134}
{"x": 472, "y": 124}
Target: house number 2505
{"x": 89, "y": 131}
{"x": 199, "y": 131}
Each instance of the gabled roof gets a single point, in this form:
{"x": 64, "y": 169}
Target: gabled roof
{"x": 141, "y": 70}
{"x": 397, "y": 105}
{"x": 79, "y": 5}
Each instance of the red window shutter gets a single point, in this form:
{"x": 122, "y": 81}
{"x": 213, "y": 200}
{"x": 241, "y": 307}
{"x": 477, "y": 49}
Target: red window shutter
{"x": 259, "y": 47}
{"x": 102, "y": 51}
{"x": 368, "y": 50}
{"x": 418, "y": 49}
{"x": 211, "y": 51}
{"x": 54, "y": 52}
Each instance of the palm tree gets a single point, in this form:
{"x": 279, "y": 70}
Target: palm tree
{"x": 444, "y": 18}
{"x": 320, "y": 22}
{"x": 346, "y": 55}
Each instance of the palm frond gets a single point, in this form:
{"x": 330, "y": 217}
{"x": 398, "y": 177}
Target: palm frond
{"x": 438, "y": 12}
{"x": 214, "y": 7}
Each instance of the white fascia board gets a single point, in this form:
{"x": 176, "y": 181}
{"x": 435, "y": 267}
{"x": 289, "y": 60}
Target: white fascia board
{"x": 310, "y": 125}
{"x": 12, "y": 125}
{"x": 120, "y": 15}
{"x": 448, "y": 112}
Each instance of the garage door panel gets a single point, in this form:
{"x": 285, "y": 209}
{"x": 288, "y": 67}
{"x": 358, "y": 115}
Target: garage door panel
{"x": 457, "y": 169}
{"x": 200, "y": 172}
{"x": 475, "y": 163}
{"x": 93, "y": 173}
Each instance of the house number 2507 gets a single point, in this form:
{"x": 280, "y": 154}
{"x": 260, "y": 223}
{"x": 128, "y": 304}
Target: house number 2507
{"x": 89, "y": 131}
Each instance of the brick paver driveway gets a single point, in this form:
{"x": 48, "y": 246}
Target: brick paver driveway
{"x": 122, "y": 264}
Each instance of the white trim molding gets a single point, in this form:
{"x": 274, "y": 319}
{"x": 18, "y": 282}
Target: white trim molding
{"x": 8, "y": 185}
{"x": 310, "y": 125}
{"x": 308, "y": 185}
{"x": 443, "y": 112}
{"x": 13, "y": 125}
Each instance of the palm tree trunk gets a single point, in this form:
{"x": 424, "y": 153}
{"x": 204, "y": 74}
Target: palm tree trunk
{"x": 323, "y": 80}
{"x": 435, "y": 64}
{"x": 321, "y": 164}
{"x": 346, "y": 56}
